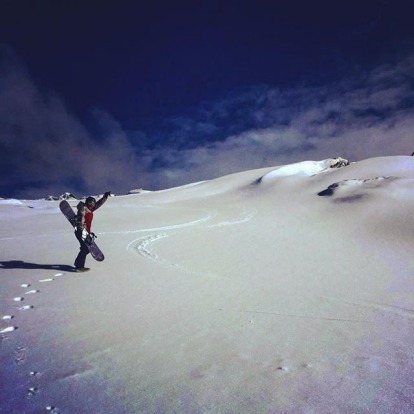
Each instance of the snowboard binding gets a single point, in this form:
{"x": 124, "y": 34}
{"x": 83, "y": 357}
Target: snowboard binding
{"x": 90, "y": 238}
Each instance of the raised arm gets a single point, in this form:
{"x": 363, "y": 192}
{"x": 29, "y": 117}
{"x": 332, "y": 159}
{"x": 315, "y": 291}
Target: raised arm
{"x": 102, "y": 200}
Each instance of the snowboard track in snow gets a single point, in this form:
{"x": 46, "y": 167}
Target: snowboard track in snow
{"x": 141, "y": 245}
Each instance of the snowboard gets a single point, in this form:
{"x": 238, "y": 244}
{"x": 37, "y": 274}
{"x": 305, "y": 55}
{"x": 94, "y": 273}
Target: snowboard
{"x": 88, "y": 238}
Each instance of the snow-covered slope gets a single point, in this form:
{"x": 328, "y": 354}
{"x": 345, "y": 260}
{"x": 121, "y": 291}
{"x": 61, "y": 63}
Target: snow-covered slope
{"x": 281, "y": 290}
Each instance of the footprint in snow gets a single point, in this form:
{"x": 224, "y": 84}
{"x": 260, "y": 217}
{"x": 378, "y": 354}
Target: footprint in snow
{"x": 20, "y": 355}
{"x": 27, "y": 307}
{"x": 52, "y": 409}
{"x": 32, "y": 391}
{"x": 287, "y": 367}
{"x": 8, "y": 329}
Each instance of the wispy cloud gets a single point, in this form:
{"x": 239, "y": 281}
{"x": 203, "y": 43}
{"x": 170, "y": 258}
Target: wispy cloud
{"x": 365, "y": 116}
{"x": 46, "y": 149}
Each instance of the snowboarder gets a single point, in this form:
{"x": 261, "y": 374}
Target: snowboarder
{"x": 84, "y": 219}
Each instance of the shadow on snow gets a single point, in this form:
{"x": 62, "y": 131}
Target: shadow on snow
{"x": 19, "y": 264}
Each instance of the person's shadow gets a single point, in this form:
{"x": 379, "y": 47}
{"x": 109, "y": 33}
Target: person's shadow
{"x": 19, "y": 264}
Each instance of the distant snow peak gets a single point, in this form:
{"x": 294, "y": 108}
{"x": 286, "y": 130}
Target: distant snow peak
{"x": 65, "y": 196}
{"x": 306, "y": 168}
{"x": 138, "y": 191}
{"x": 338, "y": 162}
{"x": 10, "y": 202}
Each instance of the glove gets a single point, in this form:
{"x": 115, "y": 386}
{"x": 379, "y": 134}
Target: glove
{"x": 107, "y": 194}
{"x": 90, "y": 238}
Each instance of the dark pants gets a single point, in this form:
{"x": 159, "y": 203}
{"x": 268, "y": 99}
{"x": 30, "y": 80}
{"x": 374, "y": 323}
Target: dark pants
{"x": 83, "y": 252}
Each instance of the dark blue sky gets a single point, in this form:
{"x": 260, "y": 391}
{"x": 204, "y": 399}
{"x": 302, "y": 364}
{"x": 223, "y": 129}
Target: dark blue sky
{"x": 178, "y": 76}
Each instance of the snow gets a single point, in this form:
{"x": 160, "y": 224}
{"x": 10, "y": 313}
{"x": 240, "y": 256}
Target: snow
{"x": 10, "y": 201}
{"x": 281, "y": 290}
{"x": 306, "y": 168}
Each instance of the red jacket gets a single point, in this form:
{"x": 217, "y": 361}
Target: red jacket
{"x": 87, "y": 219}
{"x": 87, "y": 214}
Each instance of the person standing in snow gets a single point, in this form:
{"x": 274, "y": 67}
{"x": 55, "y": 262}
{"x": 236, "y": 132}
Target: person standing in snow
{"x": 84, "y": 218}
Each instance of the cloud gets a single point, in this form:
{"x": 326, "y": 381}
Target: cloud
{"x": 45, "y": 148}
{"x": 365, "y": 116}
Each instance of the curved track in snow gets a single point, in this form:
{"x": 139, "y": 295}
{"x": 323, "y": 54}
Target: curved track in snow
{"x": 142, "y": 245}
